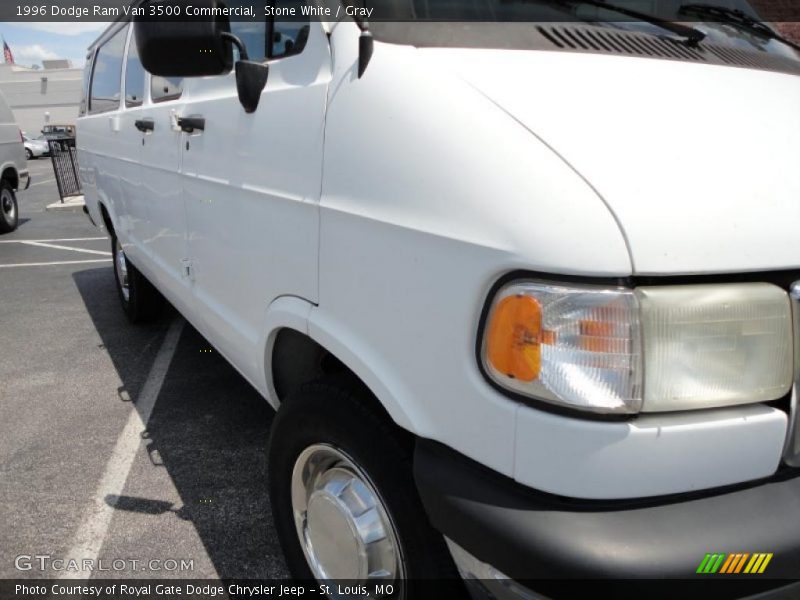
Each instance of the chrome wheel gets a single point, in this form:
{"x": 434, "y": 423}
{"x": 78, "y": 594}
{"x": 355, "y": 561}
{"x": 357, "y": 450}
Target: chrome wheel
{"x": 344, "y": 528}
{"x": 8, "y": 206}
{"x": 122, "y": 271}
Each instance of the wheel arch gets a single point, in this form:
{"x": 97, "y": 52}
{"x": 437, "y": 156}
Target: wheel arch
{"x": 108, "y": 222}
{"x": 10, "y": 174}
{"x": 302, "y": 344}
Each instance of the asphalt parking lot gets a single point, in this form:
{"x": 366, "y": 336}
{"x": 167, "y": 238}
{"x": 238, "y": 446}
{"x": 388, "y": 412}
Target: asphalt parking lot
{"x": 84, "y": 473}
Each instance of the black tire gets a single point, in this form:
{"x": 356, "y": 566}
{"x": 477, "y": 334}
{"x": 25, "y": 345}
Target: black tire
{"x": 140, "y": 301}
{"x": 28, "y": 154}
{"x": 9, "y": 210}
{"x": 338, "y": 411}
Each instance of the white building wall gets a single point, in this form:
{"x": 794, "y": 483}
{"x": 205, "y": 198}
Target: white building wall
{"x": 40, "y": 96}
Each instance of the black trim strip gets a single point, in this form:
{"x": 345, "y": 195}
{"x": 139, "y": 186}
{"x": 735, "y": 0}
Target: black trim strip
{"x": 527, "y": 533}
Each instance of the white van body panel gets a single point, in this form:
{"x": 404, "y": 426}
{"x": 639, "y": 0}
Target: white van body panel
{"x": 416, "y": 168}
{"x": 413, "y": 235}
{"x": 12, "y": 150}
{"x": 671, "y": 149}
{"x": 649, "y": 456}
{"x": 102, "y": 163}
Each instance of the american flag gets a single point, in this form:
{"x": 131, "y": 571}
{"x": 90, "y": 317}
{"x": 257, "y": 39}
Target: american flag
{"x": 7, "y": 53}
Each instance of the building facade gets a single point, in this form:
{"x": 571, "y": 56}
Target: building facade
{"x": 41, "y": 96}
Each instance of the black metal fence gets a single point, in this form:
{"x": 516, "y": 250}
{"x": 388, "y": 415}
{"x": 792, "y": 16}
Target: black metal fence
{"x": 65, "y": 165}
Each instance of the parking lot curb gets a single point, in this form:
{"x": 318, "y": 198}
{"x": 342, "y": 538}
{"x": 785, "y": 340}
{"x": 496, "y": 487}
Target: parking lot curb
{"x": 73, "y": 204}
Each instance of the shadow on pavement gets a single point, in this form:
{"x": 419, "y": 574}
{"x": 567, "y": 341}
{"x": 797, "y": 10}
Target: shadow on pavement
{"x": 209, "y": 430}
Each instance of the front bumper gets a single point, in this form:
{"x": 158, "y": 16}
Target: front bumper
{"x": 530, "y": 535}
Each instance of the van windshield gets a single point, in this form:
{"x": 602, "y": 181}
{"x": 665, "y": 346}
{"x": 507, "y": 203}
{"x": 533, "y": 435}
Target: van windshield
{"x": 443, "y": 21}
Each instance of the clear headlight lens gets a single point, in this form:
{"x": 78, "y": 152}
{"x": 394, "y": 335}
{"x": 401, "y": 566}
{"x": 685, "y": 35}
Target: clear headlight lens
{"x": 712, "y": 345}
{"x": 651, "y": 349}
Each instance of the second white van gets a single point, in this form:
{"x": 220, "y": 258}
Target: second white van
{"x": 14, "y": 173}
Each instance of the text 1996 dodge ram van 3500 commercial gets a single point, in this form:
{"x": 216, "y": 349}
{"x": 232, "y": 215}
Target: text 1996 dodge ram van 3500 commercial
{"x": 522, "y": 293}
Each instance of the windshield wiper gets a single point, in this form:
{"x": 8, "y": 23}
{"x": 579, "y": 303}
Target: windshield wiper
{"x": 693, "y": 36}
{"x": 736, "y": 18}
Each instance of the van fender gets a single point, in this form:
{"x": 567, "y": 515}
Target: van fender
{"x": 356, "y": 354}
{"x": 112, "y": 216}
{"x": 284, "y": 312}
{"x": 364, "y": 359}
{"x": 11, "y": 165}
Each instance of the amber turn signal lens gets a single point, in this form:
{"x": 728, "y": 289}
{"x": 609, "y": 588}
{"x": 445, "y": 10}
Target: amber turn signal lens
{"x": 515, "y": 336}
{"x": 575, "y": 346}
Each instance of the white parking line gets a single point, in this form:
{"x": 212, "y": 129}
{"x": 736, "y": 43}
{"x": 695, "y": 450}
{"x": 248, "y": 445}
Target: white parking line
{"x": 84, "y": 239}
{"x": 58, "y": 247}
{"x": 41, "y": 182}
{"x": 57, "y": 262}
{"x": 92, "y": 531}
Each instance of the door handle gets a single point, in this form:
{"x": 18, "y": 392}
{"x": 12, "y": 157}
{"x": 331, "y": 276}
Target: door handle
{"x": 190, "y": 124}
{"x": 145, "y": 124}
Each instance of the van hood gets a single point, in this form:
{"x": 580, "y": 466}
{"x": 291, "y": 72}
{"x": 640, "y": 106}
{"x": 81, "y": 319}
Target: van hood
{"x": 699, "y": 164}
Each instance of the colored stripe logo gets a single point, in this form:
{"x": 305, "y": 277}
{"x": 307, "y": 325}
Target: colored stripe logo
{"x": 734, "y": 563}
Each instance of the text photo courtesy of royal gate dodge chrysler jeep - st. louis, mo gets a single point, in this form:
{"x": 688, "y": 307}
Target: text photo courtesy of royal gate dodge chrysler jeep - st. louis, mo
{"x": 403, "y": 299}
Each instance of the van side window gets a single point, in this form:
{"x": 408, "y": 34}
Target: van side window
{"x": 165, "y": 88}
{"x": 107, "y": 74}
{"x": 289, "y": 35}
{"x": 134, "y": 76}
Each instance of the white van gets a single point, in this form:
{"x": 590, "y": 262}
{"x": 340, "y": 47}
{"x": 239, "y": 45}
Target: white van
{"x": 13, "y": 168}
{"x": 523, "y": 294}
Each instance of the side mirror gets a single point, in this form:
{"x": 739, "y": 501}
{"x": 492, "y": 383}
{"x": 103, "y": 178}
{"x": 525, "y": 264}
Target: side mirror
{"x": 251, "y": 79}
{"x": 172, "y": 46}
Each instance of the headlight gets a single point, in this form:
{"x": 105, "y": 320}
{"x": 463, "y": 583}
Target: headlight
{"x": 617, "y": 350}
